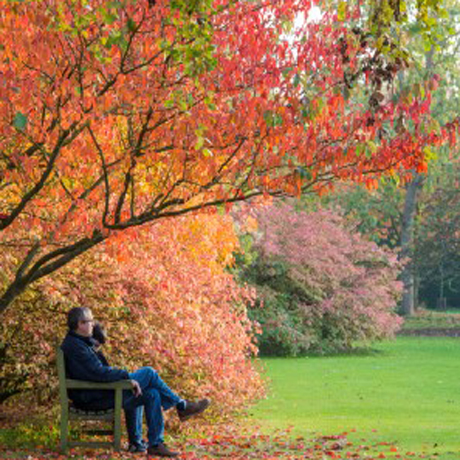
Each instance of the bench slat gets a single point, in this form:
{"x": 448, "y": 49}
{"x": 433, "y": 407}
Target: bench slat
{"x": 83, "y": 384}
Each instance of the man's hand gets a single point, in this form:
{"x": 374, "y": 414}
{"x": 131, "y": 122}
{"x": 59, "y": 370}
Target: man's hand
{"x": 136, "y": 388}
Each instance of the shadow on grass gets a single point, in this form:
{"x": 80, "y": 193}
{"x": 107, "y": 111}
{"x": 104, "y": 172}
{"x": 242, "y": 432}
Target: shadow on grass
{"x": 344, "y": 353}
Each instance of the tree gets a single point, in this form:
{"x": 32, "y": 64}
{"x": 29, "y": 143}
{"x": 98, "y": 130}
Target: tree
{"x": 394, "y": 215}
{"x": 436, "y": 255}
{"x": 114, "y": 114}
{"x": 432, "y": 59}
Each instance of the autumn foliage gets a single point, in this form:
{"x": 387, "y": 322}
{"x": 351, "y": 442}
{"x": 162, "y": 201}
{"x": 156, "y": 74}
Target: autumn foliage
{"x": 245, "y": 443}
{"x": 114, "y": 114}
{"x": 167, "y": 301}
{"x": 321, "y": 287}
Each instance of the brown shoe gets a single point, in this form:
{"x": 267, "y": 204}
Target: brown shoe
{"x": 193, "y": 408}
{"x": 161, "y": 451}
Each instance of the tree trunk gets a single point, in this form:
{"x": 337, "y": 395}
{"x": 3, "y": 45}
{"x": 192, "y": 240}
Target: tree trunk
{"x": 13, "y": 291}
{"x": 413, "y": 190}
{"x": 45, "y": 265}
{"x": 407, "y": 244}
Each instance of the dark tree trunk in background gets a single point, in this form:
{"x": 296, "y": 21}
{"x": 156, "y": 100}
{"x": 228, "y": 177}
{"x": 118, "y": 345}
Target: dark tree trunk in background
{"x": 407, "y": 244}
{"x": 408, "y": 275}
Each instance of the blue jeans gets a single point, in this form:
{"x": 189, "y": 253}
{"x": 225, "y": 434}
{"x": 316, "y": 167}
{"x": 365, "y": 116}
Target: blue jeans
{"x": 156, "y": 395}
{"x": 134, "y": 420}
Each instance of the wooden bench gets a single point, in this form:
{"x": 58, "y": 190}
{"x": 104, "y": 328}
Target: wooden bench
{"x": 69, "y": 412}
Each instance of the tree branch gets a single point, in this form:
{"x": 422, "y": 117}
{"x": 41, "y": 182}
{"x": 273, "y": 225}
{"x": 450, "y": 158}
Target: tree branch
{"x": 61, "y": 142}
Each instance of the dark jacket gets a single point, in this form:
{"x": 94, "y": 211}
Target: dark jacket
{"x": 83, "y": 363}
{"x": 101, "y": 357}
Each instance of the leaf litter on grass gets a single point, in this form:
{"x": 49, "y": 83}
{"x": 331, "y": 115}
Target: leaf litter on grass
{"x": 232, "y": 442}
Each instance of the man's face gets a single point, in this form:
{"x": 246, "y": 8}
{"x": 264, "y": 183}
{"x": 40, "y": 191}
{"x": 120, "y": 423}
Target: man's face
{"x": 85, "y": 325}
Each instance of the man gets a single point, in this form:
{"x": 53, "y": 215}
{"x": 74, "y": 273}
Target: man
{"x": 149, "y": 391}
{"x": 133, "y": 420}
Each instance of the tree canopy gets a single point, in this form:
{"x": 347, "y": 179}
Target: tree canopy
{"x": 118, "y": 113}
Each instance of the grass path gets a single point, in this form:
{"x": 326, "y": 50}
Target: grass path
{"x": 407, "y": 392}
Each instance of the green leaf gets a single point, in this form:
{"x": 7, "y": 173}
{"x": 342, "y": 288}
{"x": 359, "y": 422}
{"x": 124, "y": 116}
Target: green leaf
{"x": 296, "y": 80}
{"x": 429, "y": 154}
{"x": 131, "y": 25}
{"x": 304, "y": 173}
{"x": 199, "y": 143}
{"x": 342, "y": 11}
{"x": 273, "y": 119}
{"x": 20, "y": 121}
{"x": 371, "y": 148}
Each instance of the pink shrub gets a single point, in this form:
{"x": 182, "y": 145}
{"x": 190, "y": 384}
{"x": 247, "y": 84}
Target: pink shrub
{"x": 340, "y": 287}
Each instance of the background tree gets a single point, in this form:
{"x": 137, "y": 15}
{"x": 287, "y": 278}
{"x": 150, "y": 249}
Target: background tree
{"x": 389, "y": 215}
{"x": 436, "y": 254}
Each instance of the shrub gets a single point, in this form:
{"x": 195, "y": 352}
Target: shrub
{"x": 320, "y": 286}
{"x": 168, "y": 302}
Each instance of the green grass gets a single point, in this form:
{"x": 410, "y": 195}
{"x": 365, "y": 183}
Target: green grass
{"x": 406, "y": 392}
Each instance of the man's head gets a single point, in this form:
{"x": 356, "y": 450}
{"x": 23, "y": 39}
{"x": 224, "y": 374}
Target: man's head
{"x": 80, "y": 320}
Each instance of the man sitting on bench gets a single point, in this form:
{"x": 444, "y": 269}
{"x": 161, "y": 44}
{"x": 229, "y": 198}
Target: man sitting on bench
{"x": 83, "y": 363}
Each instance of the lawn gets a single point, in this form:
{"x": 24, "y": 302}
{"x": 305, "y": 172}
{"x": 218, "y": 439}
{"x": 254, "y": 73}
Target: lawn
{"x": 407, "y": 393}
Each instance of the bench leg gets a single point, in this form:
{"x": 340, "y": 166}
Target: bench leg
{"x": 117, "y": 420}
{"x": 64, "y": 431}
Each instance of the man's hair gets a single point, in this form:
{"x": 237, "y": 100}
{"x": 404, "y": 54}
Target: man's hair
{"x": 99, "y": 333}
{"x": 75, "y": 315}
